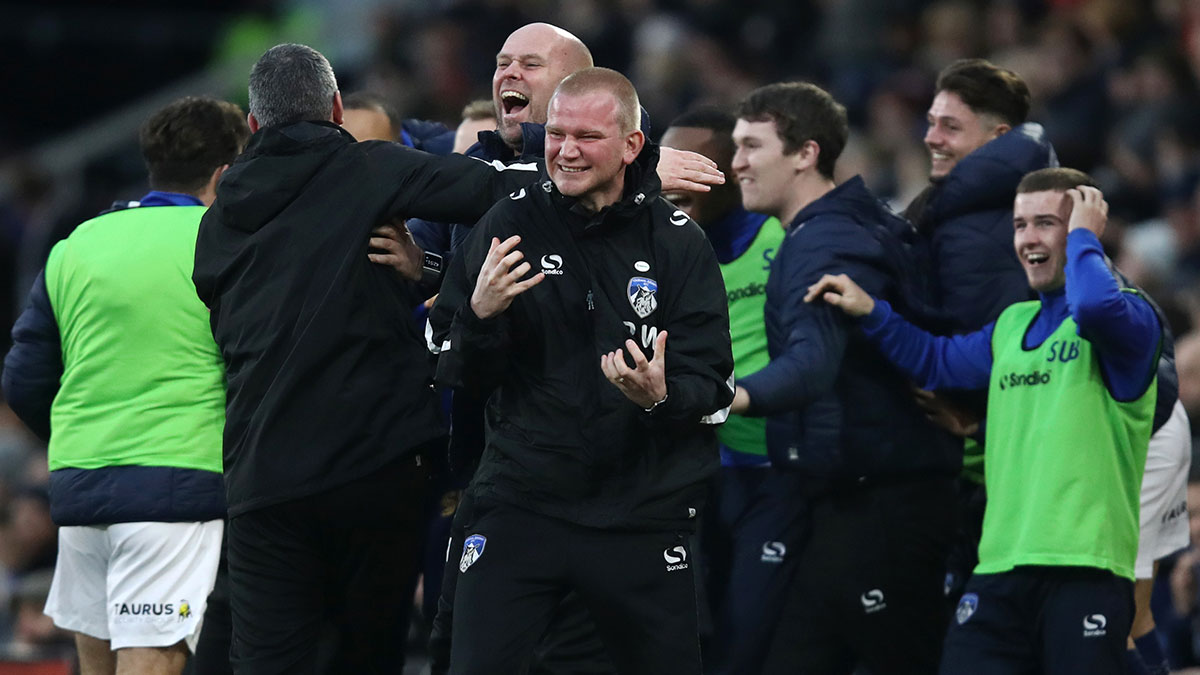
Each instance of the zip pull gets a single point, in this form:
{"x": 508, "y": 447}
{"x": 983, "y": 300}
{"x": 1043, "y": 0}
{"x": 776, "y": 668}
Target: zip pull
{"x": 591, "y": 305}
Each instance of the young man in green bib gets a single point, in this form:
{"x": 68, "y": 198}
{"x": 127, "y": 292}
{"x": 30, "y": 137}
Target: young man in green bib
{"x": 113, "y": 361}
{"x": 1071, "y": 380}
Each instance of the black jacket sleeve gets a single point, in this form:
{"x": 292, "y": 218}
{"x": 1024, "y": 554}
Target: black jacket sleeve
{"x": 699, "y": 363}
{"x": 33, "y": 367}
{"x": 451, "y": 188}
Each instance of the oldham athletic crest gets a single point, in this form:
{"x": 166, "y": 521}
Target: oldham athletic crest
{"x": 966, "y": 607}
{"x": 641, "y": 292}
{"x": 472, "y": 550}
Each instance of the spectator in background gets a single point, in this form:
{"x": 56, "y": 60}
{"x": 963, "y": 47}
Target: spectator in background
{"x": 369, "y": 117}
{"x": 35, "y": 637}
{"x": 750, "y": 533}
{"x": 477, "y": 116}
{"x": 114, "y": 363}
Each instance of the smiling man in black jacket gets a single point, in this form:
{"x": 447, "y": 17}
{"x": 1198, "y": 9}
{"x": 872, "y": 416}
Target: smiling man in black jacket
{"x": 329, "y": 404}
{"x": 606, "y": 371}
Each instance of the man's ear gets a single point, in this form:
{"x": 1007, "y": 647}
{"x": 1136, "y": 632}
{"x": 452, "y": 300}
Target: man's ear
{"x": 806, "y": 157}
{"x": 253, "y": 123}
{"x": 1001, "y": 129}
{"x": 634, "y": 142}
{"x": 209, "y": 194}
{"x": 338, "y": 110}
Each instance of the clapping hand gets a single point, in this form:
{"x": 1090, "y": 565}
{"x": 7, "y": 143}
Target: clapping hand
{"x": 646, "y": 383}
{"x": 500, "y": 278}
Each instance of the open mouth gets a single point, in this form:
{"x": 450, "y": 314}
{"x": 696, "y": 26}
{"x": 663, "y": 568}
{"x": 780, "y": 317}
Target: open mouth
{"x": 1035, "y": 259}
{"x": 513, "y": 102}
{"x": 571, "y": 169}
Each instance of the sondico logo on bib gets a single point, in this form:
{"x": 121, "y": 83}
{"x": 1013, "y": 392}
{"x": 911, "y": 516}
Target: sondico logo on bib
{"x": 750, "y": 291}
{"x": 676, "y": 558}
{"x": 1031, "y": 379}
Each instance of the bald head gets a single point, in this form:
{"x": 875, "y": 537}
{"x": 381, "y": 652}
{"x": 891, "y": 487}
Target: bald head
{"x": 533, "y": 60}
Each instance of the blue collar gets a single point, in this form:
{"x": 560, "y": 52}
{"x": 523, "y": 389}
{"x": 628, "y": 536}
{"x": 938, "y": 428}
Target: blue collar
{"x": 1053, "y": 312}
{"x": 158, "y": 198}
{"x": 733, "y": 234}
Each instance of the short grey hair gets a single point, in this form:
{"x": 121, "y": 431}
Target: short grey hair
{"x": 291, "y": 83}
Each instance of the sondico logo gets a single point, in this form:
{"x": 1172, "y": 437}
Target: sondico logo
{"x": 679, "y": 218}
{"x": 746, "y": 292}
{"x": 1014, "y": 380}
{"x": 676, "y": 558}
{"x": 872, "y": 601}
{"x": 1094, "y": 625}
{"x": 552, "y": 264}
{"x": 773, "y": 552}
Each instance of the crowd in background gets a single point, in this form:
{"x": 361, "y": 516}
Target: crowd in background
{"x": 1114, "y": 83}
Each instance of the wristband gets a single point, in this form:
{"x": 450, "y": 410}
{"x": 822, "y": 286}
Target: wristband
{"x": 656, "y": 404}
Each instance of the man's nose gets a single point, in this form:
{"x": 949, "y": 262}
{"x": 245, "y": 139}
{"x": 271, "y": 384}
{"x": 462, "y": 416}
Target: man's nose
{"x": 933, "y": 136}
{"x": 739, "y": 161}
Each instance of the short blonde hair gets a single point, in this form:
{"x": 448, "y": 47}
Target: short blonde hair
{"x": 629, "y": 108}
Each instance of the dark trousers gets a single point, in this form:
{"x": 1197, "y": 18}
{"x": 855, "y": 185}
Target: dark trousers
{"x": 516, "y": 567}
{"x": 571, "y": 644}
{"x": 964, "y": 548}
{"x": 751, "y": 537}
{"x": 868, "y": 589}
{"x": 1034, "y": 620}
{"x": 339, "y": 558}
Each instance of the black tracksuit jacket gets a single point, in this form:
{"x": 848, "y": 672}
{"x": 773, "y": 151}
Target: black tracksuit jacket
{"x": 328, "y": 377}
{"x": 561, "y": 439}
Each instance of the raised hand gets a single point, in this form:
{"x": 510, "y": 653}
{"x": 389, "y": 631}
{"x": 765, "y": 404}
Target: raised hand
{"x": 646, "y": 383}
{"x": 684, "y": 170}
{"x": 500, "y": 278}
{"x": 841, "y": 292}
{"x": 1088, "y": 210}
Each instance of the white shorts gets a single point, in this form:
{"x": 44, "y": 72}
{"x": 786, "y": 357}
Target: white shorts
{"x": 1164, "y": 519}
{"x": 135, "y": 584}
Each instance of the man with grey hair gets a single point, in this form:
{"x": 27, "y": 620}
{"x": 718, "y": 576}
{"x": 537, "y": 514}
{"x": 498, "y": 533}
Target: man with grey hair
{"x": 329, "y": 407}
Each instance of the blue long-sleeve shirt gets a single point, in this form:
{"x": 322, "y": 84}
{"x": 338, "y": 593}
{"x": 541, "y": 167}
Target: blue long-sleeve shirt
{"x": 1122, "y": 326}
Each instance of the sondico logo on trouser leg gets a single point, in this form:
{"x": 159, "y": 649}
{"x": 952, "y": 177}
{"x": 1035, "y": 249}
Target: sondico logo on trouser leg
{"x": 676, "y": 558}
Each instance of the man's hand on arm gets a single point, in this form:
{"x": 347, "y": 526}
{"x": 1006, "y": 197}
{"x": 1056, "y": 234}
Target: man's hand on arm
{"x": 946, "y": 414}
{"x": 841, "y": 292}
{"x": 689, "y": 171}
{"x": 1088, "y": 210}
{"x": 646, "y": 383}
{"x": 500, "y": 280}
{"x": 393, "y": 245}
